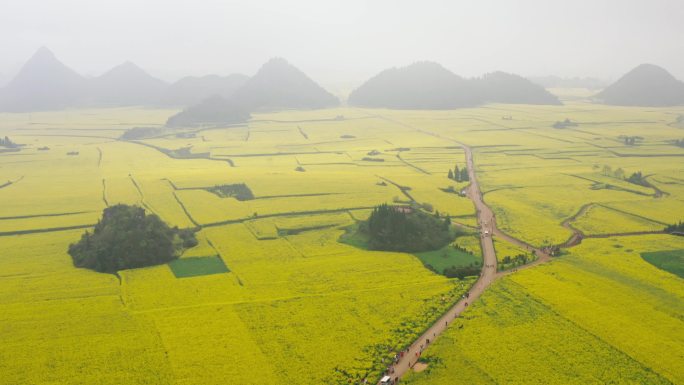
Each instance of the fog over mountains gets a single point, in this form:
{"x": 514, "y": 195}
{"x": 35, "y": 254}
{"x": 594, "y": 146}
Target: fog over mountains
{"x": 428, "y": 85}
{"x": 125, "y": 84}
{"x": 423, "y": 85}
{"x": 646, "y": 85}
{"x": 45, "y": 83}
{"x": 193, "y": 89}
{"x": 277, "y": 85}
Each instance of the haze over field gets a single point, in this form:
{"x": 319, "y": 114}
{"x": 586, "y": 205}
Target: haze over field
{"x": 340, "y": 42}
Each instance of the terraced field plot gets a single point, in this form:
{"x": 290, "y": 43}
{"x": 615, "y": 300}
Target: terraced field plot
{"x": 587, "y": 309}
{"x": 198, "y": 266}
{"x": 304, "y": 308}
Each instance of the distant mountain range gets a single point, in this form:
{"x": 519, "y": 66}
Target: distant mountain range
{"x": 501, "y": 87}
{"x": 423, "y": 85}
{"x": 45, "y": 83}
{"x": 215, "y": 110}
{"x": 428, "y": 85}
{"x": 575, "y": 82}
{"x": 191, "y": 90}
{"x": 277, "y": 85}
{"x": 646, "y": 85}
{"x": 126, "y": 84}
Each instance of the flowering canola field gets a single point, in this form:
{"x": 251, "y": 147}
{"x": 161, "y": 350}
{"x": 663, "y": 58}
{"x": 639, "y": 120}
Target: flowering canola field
{"x": 298, "y": 307}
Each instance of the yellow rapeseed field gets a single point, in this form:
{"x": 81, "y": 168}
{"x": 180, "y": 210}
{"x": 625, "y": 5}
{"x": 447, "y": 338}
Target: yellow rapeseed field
{"x": 297, "y": 306}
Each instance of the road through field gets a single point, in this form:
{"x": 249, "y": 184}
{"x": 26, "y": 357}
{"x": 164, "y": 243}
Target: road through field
{"x": 487, "y": 226}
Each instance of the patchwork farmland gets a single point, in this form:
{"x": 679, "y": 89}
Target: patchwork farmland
{"x": 270, "y": 294}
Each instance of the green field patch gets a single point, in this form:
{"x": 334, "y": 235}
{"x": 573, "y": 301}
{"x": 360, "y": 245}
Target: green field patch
{"x": 353, "y": 237}
{"x": 283, "y": 232}
{"x": 239, "y": 191}
{"x": 671, "y": 261}
{"x": 446, "y": 257}
{"x": 198, "y": 266}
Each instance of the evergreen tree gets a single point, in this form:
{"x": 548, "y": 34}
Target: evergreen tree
{"x": 464, "y": 175}
{"x": 451, "y": 174}
{"x": 457, "y": 174}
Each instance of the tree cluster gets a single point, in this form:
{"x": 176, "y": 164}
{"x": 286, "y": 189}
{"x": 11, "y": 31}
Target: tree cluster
{"x": 126, "y": 238}
{"x": 7, "y": 142}
{"x": 519, "y": 259}
{"x": 638, "y": 178}
{"x": 393, "y": 229}
{"x": 459, "y": 175}
{"x": 565, "y": 124}
{"x": 461, "y": 272}
{"x": 678, "y": 142}
{"x": 239, "y": 191}
{"x": 140, "y": 133}
{"x": 619, "y": 173}
{"x": 630, "y": 140}
{"x": 675, "y": 228}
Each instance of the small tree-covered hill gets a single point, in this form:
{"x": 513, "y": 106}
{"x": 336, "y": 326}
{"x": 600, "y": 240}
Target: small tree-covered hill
{"x": 404, "y": 229}
{"x": 126, "y": 238}
{"x": 646, "y": 85}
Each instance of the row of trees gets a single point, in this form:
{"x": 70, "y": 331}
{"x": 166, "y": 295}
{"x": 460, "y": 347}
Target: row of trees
{"x": 630, "y": 140}
{"x": 638, "y": 178}
{"x": 564, "y": 124}
{"x": 459, "y": 175}
{"x": 635, "y": 178}
{"x": 7, "y": 142}
{"x": 239, "y": 191}
{"x": 461, "y": 272}
{"x": 675, "y": 228}
{"x": 619, "y": 173}
{"x": 519, "y": 259}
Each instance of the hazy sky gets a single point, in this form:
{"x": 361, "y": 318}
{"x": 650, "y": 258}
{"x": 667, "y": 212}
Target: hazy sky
{"x": 347, "y": 41}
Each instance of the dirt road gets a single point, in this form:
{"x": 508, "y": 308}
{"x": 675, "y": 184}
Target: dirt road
{"x": 487, "y": 226}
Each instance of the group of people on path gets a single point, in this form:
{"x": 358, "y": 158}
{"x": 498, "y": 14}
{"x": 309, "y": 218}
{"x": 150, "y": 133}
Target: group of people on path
{"x": 391, "y": 369}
